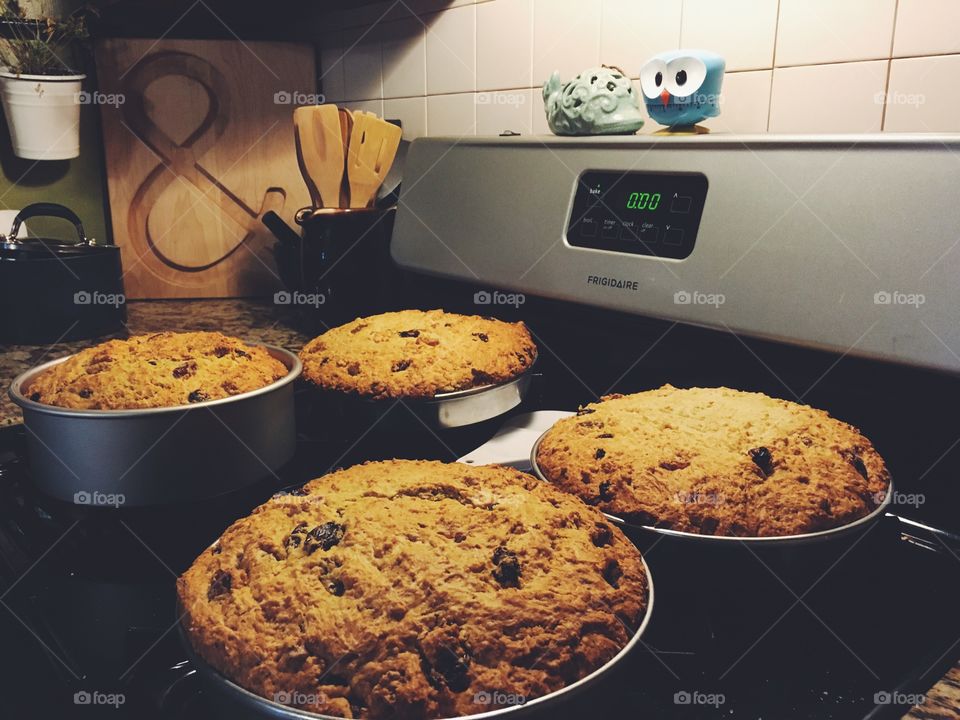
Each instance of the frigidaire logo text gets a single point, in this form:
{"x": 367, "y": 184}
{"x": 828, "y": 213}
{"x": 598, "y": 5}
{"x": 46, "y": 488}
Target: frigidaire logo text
{"x": 612, "y": 282}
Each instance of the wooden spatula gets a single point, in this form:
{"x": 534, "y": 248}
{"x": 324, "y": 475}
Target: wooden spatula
{"x": 373, "y": 145}
{"x": 320, "y": 152}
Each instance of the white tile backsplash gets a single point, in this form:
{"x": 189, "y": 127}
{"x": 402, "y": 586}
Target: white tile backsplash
{"x": 540, "y": 126}
{"x": 504, "y": 44}
{"x": 566, "y": 37}
{"x": 373, "y": 106}
{"x": 362, "y": 74}
{"x": 502, "y": 110}
{"x": 451, "y": 51}
{"x": 916, "y": 101}
{"x": 843, "y": 98}
{"x": 331, "y": 69}
{"x": 452, "y": 114}
{"x": 744, "y": 103}
{"x": 403, "y": 48}
{"x": 412, "y": 112}
{"x": 742, "y": 31}
{"x": 927, "y": 27}
{"x": 827, "y": 31}
{"x": 631, "y": 32}
{"x": 831, "y": 59}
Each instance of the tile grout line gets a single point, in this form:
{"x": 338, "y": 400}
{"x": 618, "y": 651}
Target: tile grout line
{"x": 476, "y": 117}
{"x": 683, "y": 4}
{"x": 773, "y": 61}
{"x": 886, "y": 83}
{"x": 530, "y": 35}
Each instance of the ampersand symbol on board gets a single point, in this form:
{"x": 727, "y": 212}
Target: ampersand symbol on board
{"x": 180, "y": 162}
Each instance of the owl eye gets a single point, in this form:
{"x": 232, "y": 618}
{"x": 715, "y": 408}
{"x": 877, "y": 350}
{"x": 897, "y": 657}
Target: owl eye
{"x": 651, "y": 78}
{"x": 685, "y": 75}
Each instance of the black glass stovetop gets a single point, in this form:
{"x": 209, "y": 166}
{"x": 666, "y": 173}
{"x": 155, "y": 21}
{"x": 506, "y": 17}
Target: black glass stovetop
{"x": 850, "y": 629}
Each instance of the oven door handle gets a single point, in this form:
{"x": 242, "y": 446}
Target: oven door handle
{"x": 927, "y": 536}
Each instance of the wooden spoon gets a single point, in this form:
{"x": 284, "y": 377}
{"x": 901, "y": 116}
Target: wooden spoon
{"x": 320, "y": 152}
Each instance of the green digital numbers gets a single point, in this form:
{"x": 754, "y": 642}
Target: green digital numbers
{"x": 643, "y": 201}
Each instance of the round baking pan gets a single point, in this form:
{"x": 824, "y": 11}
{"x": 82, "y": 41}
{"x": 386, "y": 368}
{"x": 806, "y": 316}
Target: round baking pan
{"x": 158, "y": 456}
{"x": 347, "y": 414}
{"x": 235, "y": 701}
{"x": 856, "y": 526}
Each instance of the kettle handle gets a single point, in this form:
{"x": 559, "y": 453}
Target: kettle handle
{"x": 48, "y": 209}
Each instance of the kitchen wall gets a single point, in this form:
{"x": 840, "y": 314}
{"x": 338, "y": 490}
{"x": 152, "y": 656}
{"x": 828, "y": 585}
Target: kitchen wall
{"x": 464, "y": 68}
{"x": 76, "y": 183}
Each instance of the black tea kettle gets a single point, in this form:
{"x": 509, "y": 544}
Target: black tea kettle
{"x": 55, "y": 291}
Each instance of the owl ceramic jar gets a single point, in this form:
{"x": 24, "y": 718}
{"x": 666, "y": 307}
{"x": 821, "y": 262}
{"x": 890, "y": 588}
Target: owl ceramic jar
{"x": 682, "y": 87}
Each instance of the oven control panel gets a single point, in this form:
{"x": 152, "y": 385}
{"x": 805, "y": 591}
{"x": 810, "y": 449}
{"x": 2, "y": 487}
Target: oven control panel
{"x": 642, "y": 213}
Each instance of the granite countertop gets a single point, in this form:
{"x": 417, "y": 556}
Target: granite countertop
{"x": 246, "y": 319}
{"x": 264, "y": 322}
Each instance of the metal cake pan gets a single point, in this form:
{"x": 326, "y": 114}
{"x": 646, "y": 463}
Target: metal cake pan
{"x": 444, "y": 411}
{"x": 156, "y": 456}
{"x": 235, "y": 701}
{"x": 858, "y": 525}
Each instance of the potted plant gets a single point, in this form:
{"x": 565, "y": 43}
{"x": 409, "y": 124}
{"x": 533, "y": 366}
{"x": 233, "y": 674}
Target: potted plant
{"x": 39, "y": 87}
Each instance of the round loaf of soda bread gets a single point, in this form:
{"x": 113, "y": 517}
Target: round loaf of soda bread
{"x": 414, "y": 589}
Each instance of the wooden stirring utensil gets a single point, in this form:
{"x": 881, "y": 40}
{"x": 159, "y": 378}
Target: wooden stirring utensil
{"x": 373, "y": 145}
{"x": 320, "y": 152}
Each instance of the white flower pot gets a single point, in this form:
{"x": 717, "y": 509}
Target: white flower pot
{"x": 43, "y": 114}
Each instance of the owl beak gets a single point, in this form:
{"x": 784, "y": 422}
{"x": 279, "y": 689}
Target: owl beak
{"x": 665, "y": 98}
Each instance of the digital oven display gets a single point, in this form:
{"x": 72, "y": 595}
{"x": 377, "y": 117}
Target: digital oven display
{"x": 642, "y": 213}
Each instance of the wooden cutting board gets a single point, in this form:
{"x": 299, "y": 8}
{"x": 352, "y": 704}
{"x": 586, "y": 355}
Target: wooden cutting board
{"x": 201, "y": 146}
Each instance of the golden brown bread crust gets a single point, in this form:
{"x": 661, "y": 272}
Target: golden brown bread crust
{"x": 417, "y": 354}
{"x": 715, "y": 461}
{"x": 407, "y": 589}
{"x": 161, "y": 370}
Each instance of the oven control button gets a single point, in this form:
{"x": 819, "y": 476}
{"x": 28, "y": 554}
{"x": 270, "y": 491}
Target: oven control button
{"x": 648, "y": 234}
{"x": 610, "y": 230}
{"x": 673, "y": 236}
{"x": 588, "y": 227}
{"x": 681, "y": 204}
